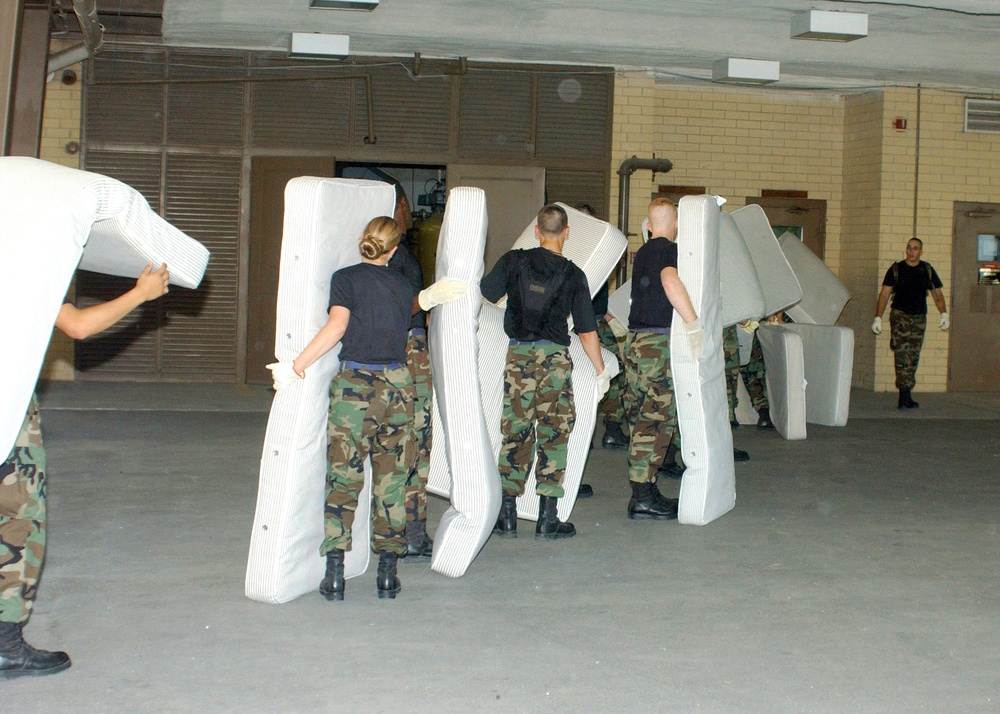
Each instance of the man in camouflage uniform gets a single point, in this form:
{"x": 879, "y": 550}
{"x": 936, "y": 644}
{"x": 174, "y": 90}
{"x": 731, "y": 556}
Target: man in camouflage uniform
{"x": 543, "y": 289}
{"x": 656, "y": 293}
{"x": 23, "y": 492}
{"x": 371, "y": 414}
{"x": 909, "y": 281}
{"x": 731, "y": 352}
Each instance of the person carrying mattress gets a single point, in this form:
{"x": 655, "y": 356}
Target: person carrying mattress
{"x": 909, "y": 281}
{"x": 418, "y": 362}
{"x": 656, "y": 292}
{"x": 543, "y": 289}
{"x": 23, "y": 494}
{"x": 371, "y": 401}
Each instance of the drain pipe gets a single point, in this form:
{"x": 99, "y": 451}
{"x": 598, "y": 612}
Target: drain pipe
{"x": 625, "y": 171}
{"x": 93, "y": 38}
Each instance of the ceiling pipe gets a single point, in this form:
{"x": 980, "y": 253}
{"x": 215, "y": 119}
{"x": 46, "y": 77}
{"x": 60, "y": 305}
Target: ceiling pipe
{"x": 625, "y": 171}
{"x": 93, "y": 38}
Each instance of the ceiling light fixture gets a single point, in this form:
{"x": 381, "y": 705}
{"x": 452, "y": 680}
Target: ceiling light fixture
{"x": 745, "y": 71}
{"x": 830, "y": 26}
{"x": 367, "y": 5}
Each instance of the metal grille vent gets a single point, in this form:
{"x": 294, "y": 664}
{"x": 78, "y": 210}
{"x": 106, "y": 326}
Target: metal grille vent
{"x": 982, "y": 116}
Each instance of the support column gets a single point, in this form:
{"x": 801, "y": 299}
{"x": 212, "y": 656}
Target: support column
{"x": 10, "y": 27}
{"x": 24, "y": 131}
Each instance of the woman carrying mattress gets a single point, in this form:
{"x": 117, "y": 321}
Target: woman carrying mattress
{"x": 371, "y": 401}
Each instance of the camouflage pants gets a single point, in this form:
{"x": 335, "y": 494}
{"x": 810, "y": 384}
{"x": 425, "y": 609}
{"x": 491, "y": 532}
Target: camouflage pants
{"x": 755, "y": 376}
{"x": 612, "y": 407}
{"x": 22, "y": 520}
{"x": 906, "y": 339}
{"x": 538, "y": 415}
{"x": 731, "y": 351}
{"x": 652, "y": 414}
{"x": 371, "y": 414}
{"x": 418, "y": 362}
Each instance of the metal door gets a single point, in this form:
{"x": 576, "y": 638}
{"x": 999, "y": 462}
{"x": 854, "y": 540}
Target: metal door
{"x": 805, "y": 217}
{"x": 974, "y": 339}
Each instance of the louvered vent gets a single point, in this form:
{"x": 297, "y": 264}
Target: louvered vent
{"x": 573, "y": 116}
{"x": 121, "y": 109}
{"x": 209, "y": 114}
{"x": 412, "y": 114}
{"x": 576, "y": 187}
{"x": 496, "y": 113}
{"x": 982, "y": 116}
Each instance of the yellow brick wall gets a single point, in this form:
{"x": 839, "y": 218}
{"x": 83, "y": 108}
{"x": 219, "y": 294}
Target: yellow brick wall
{"x": 60, "y": 126}
{"x": 843, "y": 149}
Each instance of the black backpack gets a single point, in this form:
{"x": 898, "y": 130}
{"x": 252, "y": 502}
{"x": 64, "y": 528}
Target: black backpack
{"x": 535, "y": 295}
{"x": 927, "y": 270}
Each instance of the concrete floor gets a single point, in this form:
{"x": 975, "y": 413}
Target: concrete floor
{"x": 857, "y": 573}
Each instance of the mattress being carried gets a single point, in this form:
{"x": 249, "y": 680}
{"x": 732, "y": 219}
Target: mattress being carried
{"x": 50, "y": 216}
{"x": 742, "y": 294}
{"x": 786, "y": 382}
{"x": 823, "y": 295}
{"x": 777, "y": 280}
{"x": 828, "y": 365}
{"x": 324, "y": 219}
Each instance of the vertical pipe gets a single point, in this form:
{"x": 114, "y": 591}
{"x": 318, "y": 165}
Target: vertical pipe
{"x": 916, "y": 168}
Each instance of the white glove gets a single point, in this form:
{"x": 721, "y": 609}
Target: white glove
{"x": 444, "y": 290}
{"x": 944, "y": 322}
{"x": 696, "y": 338}
{"x": 877, "y": 325}
{"x": 603, "y": 383}
{"x": 283, "y": 374}
{"x": 618, "y": 328}
{"x": 749, "y": 326}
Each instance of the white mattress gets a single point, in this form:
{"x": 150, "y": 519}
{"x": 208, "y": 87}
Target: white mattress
{"x": 50, "y": 215}
{"x": 594, "y": 246}
{"x": 324, "y": 219}
{"x": 620, "y": 302}
{"x": 742, "y": 295}
{"x": 778, "y": 283}
{"x": 828, "y": 365}
{"x": 461, "y": 443}
{"x": 823, "y": 295}
{"x": 708, "y": 489}
{"x": 786, "y": 382}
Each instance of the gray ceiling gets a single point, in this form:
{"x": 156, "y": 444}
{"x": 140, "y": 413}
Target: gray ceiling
{"x": 934, "y": 42}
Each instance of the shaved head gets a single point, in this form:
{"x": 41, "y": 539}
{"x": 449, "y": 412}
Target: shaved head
{"x": 662, "y": 218}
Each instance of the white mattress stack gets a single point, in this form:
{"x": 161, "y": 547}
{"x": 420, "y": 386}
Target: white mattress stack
{"x": 708, "y": 489}
{"x": 50, "y": 216}
{"x": 324, "y": 219}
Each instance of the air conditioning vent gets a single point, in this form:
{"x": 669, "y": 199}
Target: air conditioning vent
{"x": 982, "y": 116}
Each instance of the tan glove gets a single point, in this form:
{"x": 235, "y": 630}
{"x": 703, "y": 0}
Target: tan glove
{"x": 696, "y": 338}
{"x": 944, "y": 322}
{"x": 444, "y": 290}
{"x": 603, "y": 383}
{"x": 284, "y": 375}
{"x": 877, "y": 325}
{"x": 749, "y": 326}
{"x": 621, "y": 332}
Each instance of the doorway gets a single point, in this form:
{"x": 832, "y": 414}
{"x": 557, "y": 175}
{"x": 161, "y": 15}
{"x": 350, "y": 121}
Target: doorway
{"x": 804, "y": 217}
{"x": 974, "y": 337}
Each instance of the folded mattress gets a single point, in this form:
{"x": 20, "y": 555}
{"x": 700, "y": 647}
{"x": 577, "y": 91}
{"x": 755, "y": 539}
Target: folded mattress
{"x": 828, "y": 365}
{"x": 823, "y": 295}
{"x": 786, "y": 382}
{"x": 461, "y": 443}
{"x": 777, "y": 280}
{"x": 595, "y": 247}
{"x": 708, "y": 488}
{"x": 323, "y": 222}
{"x": 50, "y": 216}
{"x": 742, "y": 294}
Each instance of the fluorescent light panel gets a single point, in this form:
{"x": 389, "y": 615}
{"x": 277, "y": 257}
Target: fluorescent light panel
{"x": 367, "y": 5}
{"x": 317, "y": 44}
{"x": 830, "y": 26}
{"x": 745, "y": 71}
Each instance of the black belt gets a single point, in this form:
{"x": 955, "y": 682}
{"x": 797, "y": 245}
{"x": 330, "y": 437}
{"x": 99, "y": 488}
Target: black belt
{"x": 371, "y": 366}
{"x": 531, "y": 342}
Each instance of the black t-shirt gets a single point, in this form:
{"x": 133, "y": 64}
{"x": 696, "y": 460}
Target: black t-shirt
{"x": 380, "y": 300}
{"x": 573, "y": 296}
{"x": 406, "y": 263}
{"x": 601, "y": 302}
{"x": 910, "y": 295}
{"x": 650, "y": 306}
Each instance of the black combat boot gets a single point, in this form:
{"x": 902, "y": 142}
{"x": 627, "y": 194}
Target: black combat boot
{"x": 549, "y": 527}
{"x": 740, "y": 455}
{"x": 332, "y": 586}
{"x": 418, "y": 543}
{"x": 764, "y": 419}
{"x": 670, "y": 468}
{"x": 386, "y": 582}
{"x": 506, "y": 526}
{"x": 614, "y": 437}
{"x": 647, "y": 503}
{"x": 586, "y": 491}
{"x": 19, "y": 659}
{"x": 905, "y": 400}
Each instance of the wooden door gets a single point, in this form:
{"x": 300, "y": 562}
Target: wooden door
{"x": 805, "y": 217}
{"x": 974, "y": 337}
{"x": 268, "y": 177}
{"x": 514, "y": 195}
